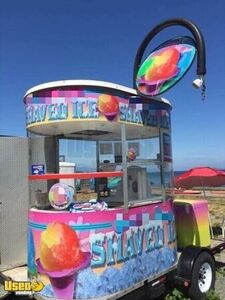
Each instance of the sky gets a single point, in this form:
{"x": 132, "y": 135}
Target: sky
{"x": 43, "y": 41}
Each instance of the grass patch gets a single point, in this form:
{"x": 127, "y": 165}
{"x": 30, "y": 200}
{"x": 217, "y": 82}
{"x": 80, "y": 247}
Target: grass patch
{"x": 176, "y": 294}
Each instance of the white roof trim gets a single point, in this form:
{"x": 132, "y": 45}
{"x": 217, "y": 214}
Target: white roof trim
{"x": 94, "y": 83}
{"x": 80, "y": 83}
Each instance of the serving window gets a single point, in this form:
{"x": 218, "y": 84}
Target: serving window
{"x": 112, "y": 167}
{"x": 141, "y": 163}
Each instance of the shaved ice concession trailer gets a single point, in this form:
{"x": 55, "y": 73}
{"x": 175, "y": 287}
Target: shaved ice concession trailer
{"x": 105, "y": 225}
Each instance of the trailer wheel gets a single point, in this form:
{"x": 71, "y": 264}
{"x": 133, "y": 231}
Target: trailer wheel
{"x": 202, "y": 277}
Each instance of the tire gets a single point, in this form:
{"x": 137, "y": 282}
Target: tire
{"x": 203, "y": 276}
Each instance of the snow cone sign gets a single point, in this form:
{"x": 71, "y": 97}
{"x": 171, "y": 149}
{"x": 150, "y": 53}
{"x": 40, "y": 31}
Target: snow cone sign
{"x": 165, "y": 66}
{"x": 45, "y": 109}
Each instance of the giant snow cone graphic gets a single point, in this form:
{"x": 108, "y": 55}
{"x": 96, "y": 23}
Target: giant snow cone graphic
{"x": 165, "y": 66}
{"x": 61, "y": 258}
{"x": 108, "y": 106}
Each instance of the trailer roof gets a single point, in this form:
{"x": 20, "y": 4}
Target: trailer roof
{"x": 88, "y": 83}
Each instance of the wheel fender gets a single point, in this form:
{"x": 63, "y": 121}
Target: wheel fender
{"x": 187, "y": 260}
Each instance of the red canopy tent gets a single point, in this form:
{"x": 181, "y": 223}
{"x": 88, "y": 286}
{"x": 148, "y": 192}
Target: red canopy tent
{"x": 200, "y": 177}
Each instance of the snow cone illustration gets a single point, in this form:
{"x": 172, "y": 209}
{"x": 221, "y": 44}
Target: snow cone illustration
{"x": 131, "y": 155}
{"x": 108, "y": 106}
{"x": 165, "y": 66}
{"x": 61, "y": 258}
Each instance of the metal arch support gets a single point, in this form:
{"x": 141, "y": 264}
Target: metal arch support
{"x": 199, "y": 40}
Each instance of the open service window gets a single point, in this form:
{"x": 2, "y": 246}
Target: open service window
{"x": 142, "y": 155}
{"x": 125, "y": 166}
